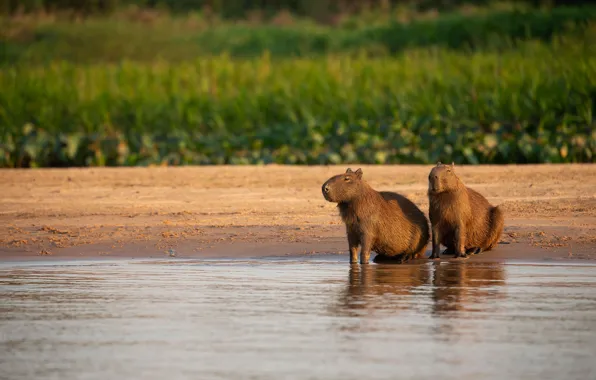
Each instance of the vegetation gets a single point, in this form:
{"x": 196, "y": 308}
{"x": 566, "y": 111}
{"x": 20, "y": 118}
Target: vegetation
{"x": 320, "y": 9}
{"x": 505, "y": 86}
{"x": 532, "y": 105}
{"x": 141, "y": 37}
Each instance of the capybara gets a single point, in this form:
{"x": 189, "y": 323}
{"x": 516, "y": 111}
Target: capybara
{"x": 461, "y": 218}
{"x": 385, "y": 222}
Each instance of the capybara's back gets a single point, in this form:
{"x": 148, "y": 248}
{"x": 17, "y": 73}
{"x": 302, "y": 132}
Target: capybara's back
{"x": 417, "y": 225}
{"x": 485, "y": 224}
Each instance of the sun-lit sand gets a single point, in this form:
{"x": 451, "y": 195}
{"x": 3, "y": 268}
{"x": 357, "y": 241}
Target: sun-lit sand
{"x": 268, "y": 210}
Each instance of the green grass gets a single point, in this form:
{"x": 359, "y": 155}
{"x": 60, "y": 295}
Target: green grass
{"x": 534, "y": 103}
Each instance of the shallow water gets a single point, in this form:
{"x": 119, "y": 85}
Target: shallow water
{"x": 301, "y": 318}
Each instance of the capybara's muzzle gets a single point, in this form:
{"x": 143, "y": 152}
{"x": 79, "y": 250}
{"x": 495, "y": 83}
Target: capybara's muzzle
{"x": 326, "y": 189}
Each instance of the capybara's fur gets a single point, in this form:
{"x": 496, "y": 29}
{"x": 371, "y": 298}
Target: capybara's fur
{"x": 461, "y": 218}
{"x": 385, "y": 222}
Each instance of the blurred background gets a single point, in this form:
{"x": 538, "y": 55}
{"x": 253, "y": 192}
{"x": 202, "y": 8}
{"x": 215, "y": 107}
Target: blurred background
{"x": 176, "y": 82}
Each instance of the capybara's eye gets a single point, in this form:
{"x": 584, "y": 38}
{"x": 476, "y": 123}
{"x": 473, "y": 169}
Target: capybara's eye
{"x": 346, "y": 178}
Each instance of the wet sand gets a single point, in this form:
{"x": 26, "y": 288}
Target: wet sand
{"x": 250, "y": 211}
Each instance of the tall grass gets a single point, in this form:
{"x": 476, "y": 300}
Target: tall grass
{"x": 531, "y": 104}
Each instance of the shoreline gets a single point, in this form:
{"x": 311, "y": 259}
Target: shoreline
{"x": 266, "y": 211}
{"x": 15, "y": 262}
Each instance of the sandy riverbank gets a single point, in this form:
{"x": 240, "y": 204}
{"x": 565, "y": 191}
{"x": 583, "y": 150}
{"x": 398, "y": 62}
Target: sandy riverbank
{"x": 268, "y": 210}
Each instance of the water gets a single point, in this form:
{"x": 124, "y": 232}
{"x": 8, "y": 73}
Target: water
{"x": 302, "y": 318}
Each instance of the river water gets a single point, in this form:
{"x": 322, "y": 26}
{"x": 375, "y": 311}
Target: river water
{"x": 296, "y": 318}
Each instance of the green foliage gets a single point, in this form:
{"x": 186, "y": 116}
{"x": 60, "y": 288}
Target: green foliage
{"x": 531, "y": 104}
{"x": 240, "y": 8}
{"x": 496, "y": 30}
{"x": 84, "y": 6}
{"x": 113, "y": 39}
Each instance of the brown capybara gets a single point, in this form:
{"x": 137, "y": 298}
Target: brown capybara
{"x": 461, "y": 218}
{"x": 384, "y": 222}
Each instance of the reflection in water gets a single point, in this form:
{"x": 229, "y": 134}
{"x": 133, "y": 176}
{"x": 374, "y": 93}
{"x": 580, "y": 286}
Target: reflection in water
{"x": 450, "y": 287}
{"x": 307, "y": 318}
{"x": 465, "y": 287}
{"x": 378, "y": 287}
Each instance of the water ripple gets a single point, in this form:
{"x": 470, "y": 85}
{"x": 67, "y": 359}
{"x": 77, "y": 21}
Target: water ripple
{"x": 296, "y": 319}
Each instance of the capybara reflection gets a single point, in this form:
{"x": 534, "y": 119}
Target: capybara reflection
{"x": 465, "y": 286}
{"x": 461, "y": 218}
{"x": 371, "y": 286}
{"x": 450, "y": 287}
{"x": 385, "y": 222}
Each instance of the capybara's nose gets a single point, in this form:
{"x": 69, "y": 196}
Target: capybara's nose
{"x": 325, "y": 188}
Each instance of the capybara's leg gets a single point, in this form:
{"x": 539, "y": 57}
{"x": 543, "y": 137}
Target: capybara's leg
{"x": 365, "y": 249}
{"x": 354, "y": 254}
{"x": 460, "y": 241}
{"x": 436, "y": 243}
{"x": 354, "y": 243}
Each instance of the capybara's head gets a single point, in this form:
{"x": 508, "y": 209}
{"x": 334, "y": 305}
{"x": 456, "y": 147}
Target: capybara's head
{"x": 442, "y": 178}
{"x": 343, "y": 187}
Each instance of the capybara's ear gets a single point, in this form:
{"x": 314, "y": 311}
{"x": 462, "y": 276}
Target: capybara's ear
{"x": 359, "y": 173}
{"x": 452, "y": 164}
{"x": 349, "y": 170}
{"x": 439, "y": 163}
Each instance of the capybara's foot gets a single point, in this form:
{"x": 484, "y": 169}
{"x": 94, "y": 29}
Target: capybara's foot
{"x": 403, "y": 259}
{"x": 462, "y": 255}
{"x": 434, "y": 256}
{"x": 473, "y": 251}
